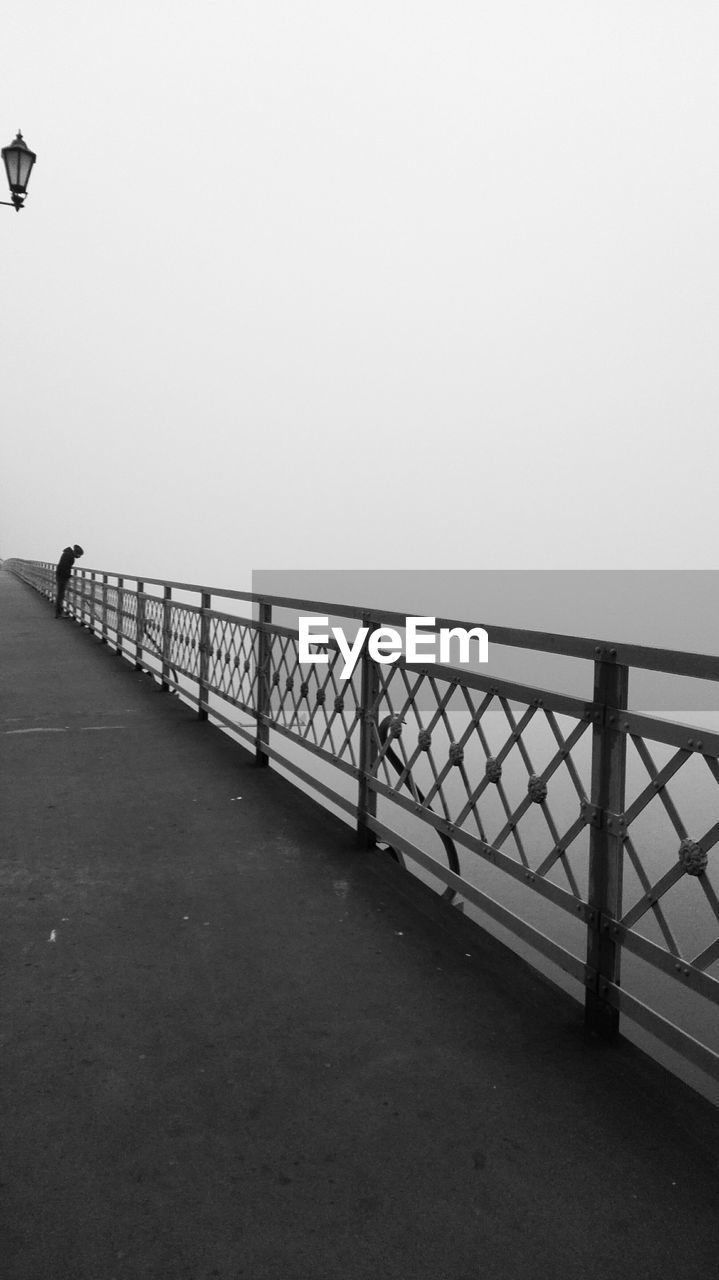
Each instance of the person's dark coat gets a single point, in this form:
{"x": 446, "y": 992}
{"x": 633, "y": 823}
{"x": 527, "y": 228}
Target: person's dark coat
{"x": 65, "y": 563}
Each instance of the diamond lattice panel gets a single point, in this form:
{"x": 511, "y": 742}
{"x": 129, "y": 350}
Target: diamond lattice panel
{"x": 312, "y": 701}
{"x": 511, "y": 775}
{"x": 670, "y": 840}
{"x": 233, "y": 660}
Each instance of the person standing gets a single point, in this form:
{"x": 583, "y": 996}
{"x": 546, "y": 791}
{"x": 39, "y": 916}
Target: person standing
{"x": 62, "y": 574}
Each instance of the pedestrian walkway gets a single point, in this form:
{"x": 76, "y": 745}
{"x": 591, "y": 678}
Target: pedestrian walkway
{"x": 233, "y": 1045}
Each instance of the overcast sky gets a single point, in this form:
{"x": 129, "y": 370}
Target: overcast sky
{"x": 319, "y": 284}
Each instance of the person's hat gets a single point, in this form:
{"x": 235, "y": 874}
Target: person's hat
{"x": 78, "y": 550}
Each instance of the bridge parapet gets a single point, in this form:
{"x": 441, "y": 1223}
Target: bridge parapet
{"x": 605, "y": 817}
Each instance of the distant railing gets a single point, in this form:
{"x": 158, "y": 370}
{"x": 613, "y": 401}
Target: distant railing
{"x": 531, "y": 783}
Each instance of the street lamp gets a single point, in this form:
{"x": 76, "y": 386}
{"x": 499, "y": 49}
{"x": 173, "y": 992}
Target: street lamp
{"x": 19, "y": 160}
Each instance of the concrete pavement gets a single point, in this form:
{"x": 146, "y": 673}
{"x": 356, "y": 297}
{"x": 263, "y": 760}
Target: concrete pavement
{"x": 234, "y": 1046}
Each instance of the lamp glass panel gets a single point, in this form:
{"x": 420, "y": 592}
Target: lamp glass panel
{"x": 18, "y": 163}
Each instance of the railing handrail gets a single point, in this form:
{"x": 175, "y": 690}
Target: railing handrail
{"x": 678, "y": 662}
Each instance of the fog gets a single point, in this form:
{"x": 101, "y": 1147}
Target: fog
{"x": 329, "y": 285}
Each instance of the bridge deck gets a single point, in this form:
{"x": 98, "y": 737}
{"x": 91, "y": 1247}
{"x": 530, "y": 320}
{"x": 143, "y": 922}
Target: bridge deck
{"x": 234, "y": 1046}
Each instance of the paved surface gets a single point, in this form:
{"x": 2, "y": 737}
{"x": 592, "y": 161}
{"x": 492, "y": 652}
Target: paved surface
{"x": 232, "y": 1046}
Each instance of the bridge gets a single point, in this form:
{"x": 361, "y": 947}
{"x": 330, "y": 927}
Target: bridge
{"x": 248, "y": 1034}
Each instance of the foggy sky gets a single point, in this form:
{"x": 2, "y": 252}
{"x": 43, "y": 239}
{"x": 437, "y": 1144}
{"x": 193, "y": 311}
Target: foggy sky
{"x": 338, "y": 285}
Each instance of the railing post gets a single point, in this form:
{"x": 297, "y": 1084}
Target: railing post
{"x": 606, "y": 844}
{"x": 88, "y": 593}
{"x": 89, "y": 600}
{"x": 369, "y": 747}
{"x": 140, "y": 624}
{"x": 166, "y": 638}
{"x": 120, "y": 613}
{"x": 70, "y": 601}
{"x": 79, "y": 577}
{"x": 86, "y": 581}
{"x": 203, "y": 678}
{"x": 262, "y": 684}
{"x": 93, "y": 585}
{"x": 84, "y": 610}
{"x": 103, "y": 635}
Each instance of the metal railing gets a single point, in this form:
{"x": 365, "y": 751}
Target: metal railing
{"x": 578, "y": 801}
